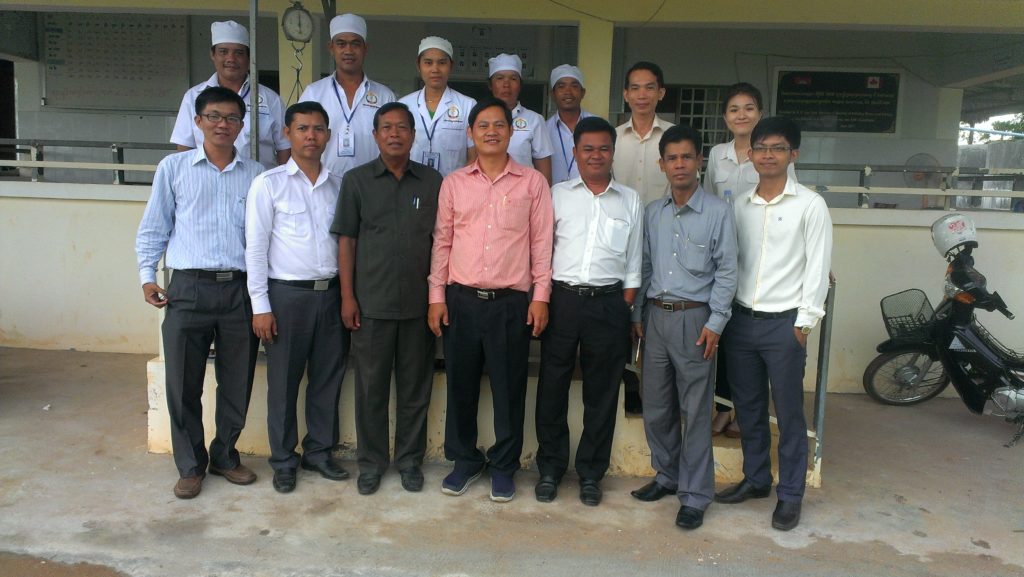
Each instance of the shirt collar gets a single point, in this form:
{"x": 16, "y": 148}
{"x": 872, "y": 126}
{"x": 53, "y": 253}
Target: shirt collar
{"x": 381, "y": 169}
{"x": 788, "y": 190}
{"x": 577, "y": 182}
{"x": 658, "y": 124}
{"x": 696, "y": 202}
{"x": 511, "y": 167}
{"x": 730, "y": 152}
{"x": 292, "y": 169}
{"x": 199, "y": 155}
{"x": 214, "y": 81}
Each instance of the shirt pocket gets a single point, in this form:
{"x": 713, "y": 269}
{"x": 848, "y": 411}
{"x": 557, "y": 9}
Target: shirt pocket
{"x": 695, "y": 256}
{"x": 238, "y": 210}
{"x": 514, "y": 214}
{"x": 294, "y": 218}
{"x": 616, "y": 235}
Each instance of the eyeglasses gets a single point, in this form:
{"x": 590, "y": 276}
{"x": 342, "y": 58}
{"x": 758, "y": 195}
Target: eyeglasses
{"x": 774, "y": 149}
{"x": 216, "y": 118}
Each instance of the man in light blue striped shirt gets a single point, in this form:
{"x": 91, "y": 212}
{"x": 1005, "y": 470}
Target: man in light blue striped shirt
{"x": 195, "y": 220}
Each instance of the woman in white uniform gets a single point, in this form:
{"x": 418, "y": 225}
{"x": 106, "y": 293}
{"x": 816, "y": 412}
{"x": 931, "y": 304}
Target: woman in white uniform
{"x": 441, "y": 113}
{"x": 530, "y": 144}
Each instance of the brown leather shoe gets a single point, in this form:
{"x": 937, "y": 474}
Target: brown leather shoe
{"x": 240, "y": 475}
{"x": 188, "y": 487}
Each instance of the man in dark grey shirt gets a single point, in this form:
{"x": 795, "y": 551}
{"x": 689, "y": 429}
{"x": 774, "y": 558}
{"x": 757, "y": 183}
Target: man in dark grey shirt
{"x": 385, "y": 219}
{"x": 688, "y": 281}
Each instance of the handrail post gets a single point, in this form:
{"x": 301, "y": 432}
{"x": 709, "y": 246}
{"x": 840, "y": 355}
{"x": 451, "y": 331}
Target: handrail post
{"x": 821, "y": 380}
{"x": 36, "y": 153}
{"x": 863, "y": 198}
{"x": 117, "y": 152}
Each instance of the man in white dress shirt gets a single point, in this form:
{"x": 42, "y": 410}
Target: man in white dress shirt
{"x": 636, "y": 154}
{"x": 349, "y": 97}
{"x": 292, "y": 259}
{"x": 596, "y": 272}
{"x": 785, "y": 248}
{"x": 229, "y": 52}
{"x": 567, "y": 92}
{"x": 530, "y": 145}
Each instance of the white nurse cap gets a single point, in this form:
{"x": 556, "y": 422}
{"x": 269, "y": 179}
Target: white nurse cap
{"x": 348, "y": 23}
{"x": 503, "y": 62}
{"x": 229, "y": 32}
{"x": 566, "y": 71}
{"x": 435, "y": 42}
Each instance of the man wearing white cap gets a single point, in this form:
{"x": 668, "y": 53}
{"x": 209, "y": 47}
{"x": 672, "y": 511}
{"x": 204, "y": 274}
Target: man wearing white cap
{"x": 567, "y": 92}
{"x": 229, "y": 50}
{"x": 441, "y": 113}
{"x": 350, "y": 98}
{"x": 530, "y": 144}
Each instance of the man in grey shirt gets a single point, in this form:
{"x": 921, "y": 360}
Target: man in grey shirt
{"x": 689, "y": 280}
{"x": 385, "y": 222}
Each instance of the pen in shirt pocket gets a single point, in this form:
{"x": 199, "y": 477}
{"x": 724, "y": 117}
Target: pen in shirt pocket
{"x": 416, "y": 202}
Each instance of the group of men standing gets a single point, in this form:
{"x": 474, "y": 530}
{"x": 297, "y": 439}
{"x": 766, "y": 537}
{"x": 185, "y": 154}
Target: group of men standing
{"x": 353, "y": 237}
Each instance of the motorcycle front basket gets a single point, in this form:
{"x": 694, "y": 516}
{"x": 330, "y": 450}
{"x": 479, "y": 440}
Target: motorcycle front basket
{"x": 908, "y": 315}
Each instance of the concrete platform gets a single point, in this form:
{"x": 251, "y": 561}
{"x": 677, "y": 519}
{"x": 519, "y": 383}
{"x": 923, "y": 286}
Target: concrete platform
{"x": 928, "y": 490}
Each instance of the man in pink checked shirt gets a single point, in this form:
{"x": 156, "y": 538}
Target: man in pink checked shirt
{"x": 492, "y": 245}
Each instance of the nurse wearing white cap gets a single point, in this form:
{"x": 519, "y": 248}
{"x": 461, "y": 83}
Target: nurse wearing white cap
{"x": 567, "y": 93}
{"x": 530, "y": 145}
{"x": 441, "y": 112}
{"x": 350, "y": 98}
{"x": 229, "y": 51}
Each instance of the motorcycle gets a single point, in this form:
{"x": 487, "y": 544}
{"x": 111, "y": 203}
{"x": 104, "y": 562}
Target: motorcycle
{"x": 929, "y": 348}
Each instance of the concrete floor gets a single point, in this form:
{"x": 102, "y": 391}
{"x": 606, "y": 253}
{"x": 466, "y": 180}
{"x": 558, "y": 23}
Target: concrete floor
{"x": 928, "y": 490}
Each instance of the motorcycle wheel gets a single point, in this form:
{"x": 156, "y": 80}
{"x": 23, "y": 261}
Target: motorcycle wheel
{"x": 896, "y": 378}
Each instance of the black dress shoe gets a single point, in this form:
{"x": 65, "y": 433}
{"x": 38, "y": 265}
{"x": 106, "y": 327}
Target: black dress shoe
{"x": 741, "y": 492}
{"x": 284, "y": 480}
{"x": 651, "y": 492}
{"x": 368, "y": 483}
{"x": 328, "y": 469}
{"x": 689, "y": 518}
{"x": 546, "y": 489}
{"x": 786, "y": 515}
{"x": 412, "y": 479}
{"x": 590, "y": 492}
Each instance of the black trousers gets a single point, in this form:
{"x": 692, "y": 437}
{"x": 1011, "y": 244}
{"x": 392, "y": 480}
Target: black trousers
{"x": 598, "y": 327}
{"x": 310, "y": 340}
{"x": 378, "y": 346}
{"x": 200, "y": 312}
{"x": 495, "y": 332}
{"x": 759, "y": 352}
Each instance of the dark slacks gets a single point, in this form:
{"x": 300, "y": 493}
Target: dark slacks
{"x": 597, "y": 326}
{"x": 200, "y": 312}
{"x": 494, "y": 331}
{"x": 378, "y": 346}
{"x": 312, "y": 340}
{"x": 678, "y": 395}
{"x": 760, "y": 351}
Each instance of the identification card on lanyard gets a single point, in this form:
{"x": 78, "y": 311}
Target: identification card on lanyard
{"x": 347, "y": 139}
{"x": 430, "y": 158}
{"x": 347, "y": 142}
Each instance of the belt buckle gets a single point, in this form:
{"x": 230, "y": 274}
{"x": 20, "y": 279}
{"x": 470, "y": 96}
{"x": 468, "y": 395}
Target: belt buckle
{"x": 484, "y": 294}
{"x": 225, "y": 276}
{"x": 589, "y": 291}
{"x": 321, "y": 285}
{"x": 670, "y": 307}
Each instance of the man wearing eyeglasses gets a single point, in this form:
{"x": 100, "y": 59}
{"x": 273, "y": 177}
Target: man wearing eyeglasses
{"x": 785, "y": 248}
{"x": 229, "y": 51}
{"x": 195, "y": 220}
{"x": 596, "y": 272}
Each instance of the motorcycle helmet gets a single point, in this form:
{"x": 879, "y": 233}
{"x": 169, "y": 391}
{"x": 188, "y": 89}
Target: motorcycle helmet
{"x": 953, "y": 233}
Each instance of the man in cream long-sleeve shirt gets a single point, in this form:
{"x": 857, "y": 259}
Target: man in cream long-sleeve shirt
{"x": 785, "y": 247}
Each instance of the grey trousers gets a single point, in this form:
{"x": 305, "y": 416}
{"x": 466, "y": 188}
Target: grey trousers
{"x": 200, "y": 312}
{"x": 678, "y": 386}
{"x": 378, "y": 346}
{"x": 312, "y": 340}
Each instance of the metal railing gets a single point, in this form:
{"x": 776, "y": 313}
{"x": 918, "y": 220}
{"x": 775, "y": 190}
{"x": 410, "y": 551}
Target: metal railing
{"x": 36, "y": 151}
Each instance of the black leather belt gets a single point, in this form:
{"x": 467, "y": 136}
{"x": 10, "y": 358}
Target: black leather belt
{"x": 761, "y": 315}
{"x": 485, "y": 294}
{"x": 216, "y": 275}
{"x": 317, "y": 285}
{"x": 673, "y": 306}
{"x": 589, "y": 291}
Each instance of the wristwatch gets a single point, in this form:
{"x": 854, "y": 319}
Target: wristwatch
{"x": 805, "y": 330}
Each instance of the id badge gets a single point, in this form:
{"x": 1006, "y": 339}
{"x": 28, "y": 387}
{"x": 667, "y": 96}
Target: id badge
{"x": 346, "y": 144}
{"x": 432, "y": 159}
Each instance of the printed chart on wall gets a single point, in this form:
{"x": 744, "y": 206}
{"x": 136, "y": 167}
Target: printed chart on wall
{"x": 832, "y": 101}
{"x": 115, "y": 61}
